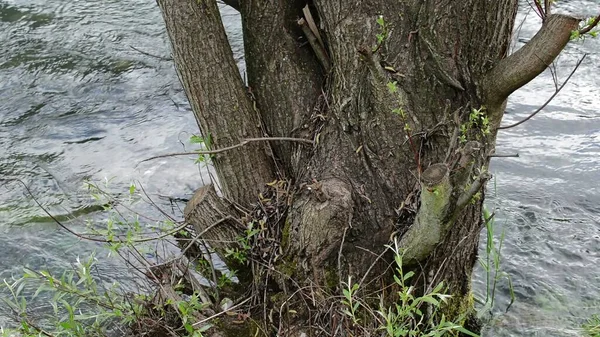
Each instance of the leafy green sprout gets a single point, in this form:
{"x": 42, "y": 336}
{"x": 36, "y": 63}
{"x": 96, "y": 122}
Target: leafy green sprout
{"x": 187, "y": 308}
{"x": 491, "y": 264}
{"x": 207, "y": 143}
{"x": 477, "y": 119}
{"x": 477, "y": 196}
{"x": 241, "y": 254}
{"x": 405, "y": 317}
{"x": 393, "y": 89}
{"x": 226, "y": 278}
{"x": 81, "y": 304}
{"x": 577, "y": 35}
{"x": 349, "y": 302}
{"x": 383, "y": 33}
{"x": 592, "y": 327}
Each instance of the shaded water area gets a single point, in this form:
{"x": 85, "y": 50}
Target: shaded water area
{"x": 77, "y": 102}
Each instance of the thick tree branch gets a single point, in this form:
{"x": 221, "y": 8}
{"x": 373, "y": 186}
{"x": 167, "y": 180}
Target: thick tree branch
{"x": 428, "y": 228}
{"x": 207, "y": 208}
{"x": 548, "y": 101}
{"x": 216, "y": 92}
{"x": 528, "y": 62}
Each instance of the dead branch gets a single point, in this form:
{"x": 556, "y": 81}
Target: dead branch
{"x": 229, "y": 148}
{"x": 314, "y": 42}
{"x": 208, "y": 319}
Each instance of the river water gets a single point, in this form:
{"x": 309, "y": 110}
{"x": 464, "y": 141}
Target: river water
{"x": 77, "y": 102}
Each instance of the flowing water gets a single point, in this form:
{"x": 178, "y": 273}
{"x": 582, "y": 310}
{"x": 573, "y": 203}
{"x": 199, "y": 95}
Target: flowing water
{"x": 77, "y": 102}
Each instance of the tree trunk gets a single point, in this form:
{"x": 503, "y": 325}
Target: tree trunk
{"x": 402, "y": 114}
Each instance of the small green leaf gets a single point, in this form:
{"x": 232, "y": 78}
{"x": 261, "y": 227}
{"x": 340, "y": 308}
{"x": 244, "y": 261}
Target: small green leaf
{"x": 392, "y": 87}
{"x": 196, "y": 140}
{"x": 465, "y": 331}
{"x": 189, "y": 328}
{"x": 430, "y": 300}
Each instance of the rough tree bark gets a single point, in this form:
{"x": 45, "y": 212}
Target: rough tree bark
{"x": 397, "y": 153}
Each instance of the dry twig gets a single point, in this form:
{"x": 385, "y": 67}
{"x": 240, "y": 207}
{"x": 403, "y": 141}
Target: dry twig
{"x": 232, "y": 147}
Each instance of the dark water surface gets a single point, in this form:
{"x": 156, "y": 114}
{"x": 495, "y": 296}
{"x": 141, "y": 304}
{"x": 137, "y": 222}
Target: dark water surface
{"x": 77, "y": 102}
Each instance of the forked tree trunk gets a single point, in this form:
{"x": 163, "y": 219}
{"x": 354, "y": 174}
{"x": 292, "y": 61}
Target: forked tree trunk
{"x": 402, "y": 126}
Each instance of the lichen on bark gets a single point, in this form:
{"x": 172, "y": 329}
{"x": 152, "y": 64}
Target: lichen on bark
{"x": 429, "y": 225}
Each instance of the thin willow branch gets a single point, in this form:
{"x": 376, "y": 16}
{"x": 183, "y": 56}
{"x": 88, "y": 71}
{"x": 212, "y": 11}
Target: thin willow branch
{"x": 591, "y": 26}
{"x": 89, "y": 238}
{"x": 192, "y": 242}
{"x": 222, "y": 312}
{"x": 548, "y": 101}
{"x": 229, "y": 148}
{"x": 511, "y": 155}
{"x": 535, "y": 8}
{"x": 162, "y": 58}
{"x": 339, "y": 258}
{"x": 539, "y": 10}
